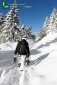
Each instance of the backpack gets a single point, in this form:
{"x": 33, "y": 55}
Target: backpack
{"x": 22, "y": 47}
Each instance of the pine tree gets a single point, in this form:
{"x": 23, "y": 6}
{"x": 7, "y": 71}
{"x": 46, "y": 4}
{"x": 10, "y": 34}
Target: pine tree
{"x": 52, "y": 17}
{"x": 28, "y": 32}
{"x": 46, "y": 23}
{"x": 52, "y": 21}
{"x": 50, "y": 25}
{"x": 2, "y": 17}
{"x": 25, "y": 32}
{"x": 11, "y": 24}
{"x": 55, "y": 24}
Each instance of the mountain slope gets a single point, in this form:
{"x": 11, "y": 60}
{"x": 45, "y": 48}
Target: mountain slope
{"x": 42, "y": 69}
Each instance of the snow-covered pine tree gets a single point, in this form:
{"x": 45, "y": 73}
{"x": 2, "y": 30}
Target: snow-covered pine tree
{"x": 38, "y": 35}
{"x": 55, "y": 24}
{"x": 22, "y": 31}
{"x": 2, "y": 17}
{"x": 46, "y": 22}
{"x": 11, "y": 25}
{"x": 26, "y": 32}
{"x": 52, "y": 21}
{"x": 52, "y": 17}
{"x": 50, "y": 25}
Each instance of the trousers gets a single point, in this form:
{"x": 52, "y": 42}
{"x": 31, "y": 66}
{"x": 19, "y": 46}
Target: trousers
{"x": 23, "y": 58}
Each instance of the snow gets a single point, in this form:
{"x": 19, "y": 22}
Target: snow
{"x": 8, "y": 46}
{"x": 42, "y": 69}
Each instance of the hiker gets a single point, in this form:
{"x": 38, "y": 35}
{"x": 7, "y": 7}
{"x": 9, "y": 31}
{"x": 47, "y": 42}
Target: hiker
{"x": 22, "y": 49}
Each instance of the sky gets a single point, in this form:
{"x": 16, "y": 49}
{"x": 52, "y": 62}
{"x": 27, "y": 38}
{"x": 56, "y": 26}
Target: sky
{"x": 34, "y": 16}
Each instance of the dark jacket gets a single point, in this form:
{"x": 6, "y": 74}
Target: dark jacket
{"x": 17, "y": 50}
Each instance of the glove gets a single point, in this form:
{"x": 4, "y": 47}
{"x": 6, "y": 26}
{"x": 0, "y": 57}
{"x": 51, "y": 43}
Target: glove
{"x": 15, "y": 59}
{"x": 27, "y": 61}
{"x": 28, "y": 54}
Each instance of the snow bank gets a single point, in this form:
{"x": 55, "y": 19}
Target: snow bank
{"x": 50, "y": 38}
{"x": 8, "y": 46}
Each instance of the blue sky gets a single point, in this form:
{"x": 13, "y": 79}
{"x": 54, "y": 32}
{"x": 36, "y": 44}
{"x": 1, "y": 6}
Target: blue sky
{"x": 34, "y": 16}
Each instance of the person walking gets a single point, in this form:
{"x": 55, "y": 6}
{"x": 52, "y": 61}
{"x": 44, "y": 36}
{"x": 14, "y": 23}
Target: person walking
{"x": 22, "y": 49}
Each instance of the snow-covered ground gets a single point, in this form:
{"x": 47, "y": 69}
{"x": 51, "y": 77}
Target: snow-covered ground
{"x": 42, "y": 69}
